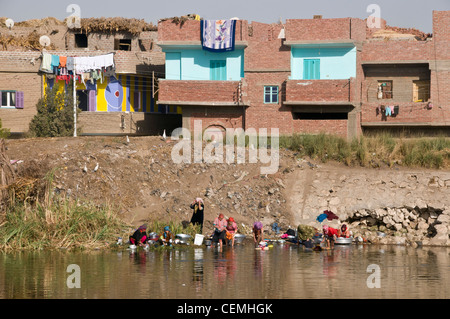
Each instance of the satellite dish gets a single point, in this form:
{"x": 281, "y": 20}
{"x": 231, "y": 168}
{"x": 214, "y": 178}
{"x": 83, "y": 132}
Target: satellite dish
{"x": 44, "y": 41}
{"x": 9, "y": 23}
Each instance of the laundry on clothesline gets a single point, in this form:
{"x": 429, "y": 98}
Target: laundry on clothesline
{"x": 52, "y": 63}
{"x": 88, "y": 69}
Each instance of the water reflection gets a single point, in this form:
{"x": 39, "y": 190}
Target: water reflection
{"x": 197, "y": 269}
{"x": 240, "y": 272}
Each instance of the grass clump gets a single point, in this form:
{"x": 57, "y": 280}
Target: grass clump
{"x": 175, "y": 228}
{"x": 42, "y": 220}
{"x": 323, "y": 146}
{"x": 372, "y": 150}
{"x": 429, "y": 153}
{"x": 63, "y": 223}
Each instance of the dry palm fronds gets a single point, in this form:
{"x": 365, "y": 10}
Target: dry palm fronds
{"x": 117, "y": 24}
{"x": 37, "y": 23}
{"x": 31, "y": 41}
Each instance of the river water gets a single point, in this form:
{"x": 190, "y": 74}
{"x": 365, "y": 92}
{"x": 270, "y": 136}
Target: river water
{"x": 199, "y": 272}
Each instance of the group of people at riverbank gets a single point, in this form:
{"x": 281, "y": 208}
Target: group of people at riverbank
{"x": 141, "y": 238}
{"x": 225, "y": 231}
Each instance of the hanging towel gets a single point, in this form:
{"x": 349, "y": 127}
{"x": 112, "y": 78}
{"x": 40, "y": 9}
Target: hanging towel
{"x": 69, "y": 63}
{"x": 388, "y": 111}
{"x": 396, "y": 109}
{"x": 62, "y": 61}
{"x": 55, "y": 60}
{"x": 218, "y": 35}
{"x": 109, "y": 60}
{"x": 331, "y": 215}
{"x": 46, "y": 65}
{"x": 321, "y": 217}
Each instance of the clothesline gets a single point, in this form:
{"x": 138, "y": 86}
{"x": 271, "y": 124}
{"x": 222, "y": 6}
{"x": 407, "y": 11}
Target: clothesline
{"x": 87, "y": 68}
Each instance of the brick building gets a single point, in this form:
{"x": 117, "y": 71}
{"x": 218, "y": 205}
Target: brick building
{"x": 310, "y": 76}
{"x": 138, "y": 65}
{"x": 306, "y": 76}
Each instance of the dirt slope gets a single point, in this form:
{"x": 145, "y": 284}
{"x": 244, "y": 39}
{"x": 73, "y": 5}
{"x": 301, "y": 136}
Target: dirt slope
{"x": 141, "y": 180}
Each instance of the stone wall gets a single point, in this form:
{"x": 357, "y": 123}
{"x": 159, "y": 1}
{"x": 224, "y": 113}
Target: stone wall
{"x": 404, "y": 225}
{"x": 406, "y": 205}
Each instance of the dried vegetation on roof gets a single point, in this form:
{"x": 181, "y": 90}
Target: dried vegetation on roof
{"x": 29, "y": 41}
{"x": 390, "y": 32}
{"x": 102, "y": 25}
{"x": 180, "y": 20}
{"x": 109, "y": 25}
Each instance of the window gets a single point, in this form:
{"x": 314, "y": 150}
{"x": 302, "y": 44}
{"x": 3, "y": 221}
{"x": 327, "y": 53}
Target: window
{"x": 137, "y": 101}
{"x": 421, "y": 91}
{"x": 81, "y": 40}
{"x": 11, "y": 99}
{"x": 82, "y": 96}
{"x": 271, "y": 94}
{"x": 218, "y": 70}
{"x": 122, "y": 44}
{"x": 145, "y": 45}
{"x": 311, "y": 69}
{"x": 384, "y": 90}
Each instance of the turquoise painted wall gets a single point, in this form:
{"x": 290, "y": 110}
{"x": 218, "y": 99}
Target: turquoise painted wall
{"x": 194, "y": 64}
{"x": 336, "y": 63}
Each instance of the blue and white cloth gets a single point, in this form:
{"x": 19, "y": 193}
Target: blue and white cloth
{"x": 218, "y": 35}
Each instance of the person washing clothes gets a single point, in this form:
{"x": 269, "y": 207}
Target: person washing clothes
{"x": 231, "y": 230}
{"x": 220, "y": 230}
{"x": 258, "y": 233}
{"x": 166, "y": 238}
{"x": 344, "y": 231}
{"x": 330, "y": 234}
{"x": 139, "y": 237}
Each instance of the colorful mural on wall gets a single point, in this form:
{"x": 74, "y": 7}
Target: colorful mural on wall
{"x": 126, "y": 93}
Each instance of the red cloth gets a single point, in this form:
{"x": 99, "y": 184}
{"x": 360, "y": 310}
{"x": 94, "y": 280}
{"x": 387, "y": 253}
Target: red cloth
{"x": 331, "y": 215}
{"x": 332, "y": 231}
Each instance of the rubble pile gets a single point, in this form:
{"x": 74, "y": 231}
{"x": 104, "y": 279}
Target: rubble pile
{"x": 404, "y": 225}
{"x": 419, "y": 35}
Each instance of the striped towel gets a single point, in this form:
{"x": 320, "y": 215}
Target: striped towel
{"x": 218, "y": 35}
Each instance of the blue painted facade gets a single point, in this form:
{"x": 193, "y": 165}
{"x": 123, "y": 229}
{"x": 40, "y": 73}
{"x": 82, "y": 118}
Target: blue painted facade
{"x": 334, "y": 63}
{"x": 196, "y": 64}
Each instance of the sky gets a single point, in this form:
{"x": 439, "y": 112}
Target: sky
{"x": 401, "y": 13}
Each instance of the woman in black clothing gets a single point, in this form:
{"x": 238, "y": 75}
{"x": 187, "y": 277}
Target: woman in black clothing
{"x": 139, "y": 237}
{"x": 198, "y": 214}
